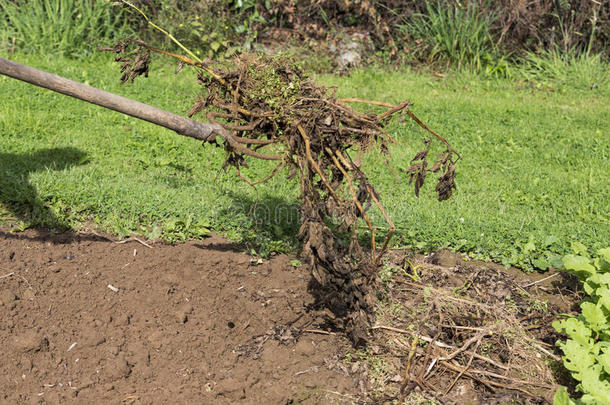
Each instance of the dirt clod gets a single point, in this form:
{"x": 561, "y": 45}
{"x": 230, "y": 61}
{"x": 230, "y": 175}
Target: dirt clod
{"x": 183, "y": 311}
{"x": 29, "y": 341}
{"x": 116, "y": 368}
{"x": 7, "y": 297}
{"x": 444, "y": 258}
{"x": 28, "y": 294}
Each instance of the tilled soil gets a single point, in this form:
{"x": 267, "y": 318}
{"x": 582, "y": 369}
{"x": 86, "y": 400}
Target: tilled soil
{"x": 87, "y": 320}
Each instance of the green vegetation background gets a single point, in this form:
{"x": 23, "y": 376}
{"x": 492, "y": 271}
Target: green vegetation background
{"x": 533, "y": 132}
{"x": 534, "y": 176}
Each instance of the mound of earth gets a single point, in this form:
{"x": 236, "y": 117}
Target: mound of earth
{"x": 87, "y": 320}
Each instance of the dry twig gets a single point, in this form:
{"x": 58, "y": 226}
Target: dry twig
{"x": 134, "y": 239}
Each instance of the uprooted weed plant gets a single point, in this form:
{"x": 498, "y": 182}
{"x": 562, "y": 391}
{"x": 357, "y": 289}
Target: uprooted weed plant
{"x": 269, "y": 109}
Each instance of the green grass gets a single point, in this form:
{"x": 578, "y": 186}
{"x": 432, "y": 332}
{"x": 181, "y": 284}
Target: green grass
{"x": 533, "y": 178}
{"x": 64, "y": 162}
{"x": 71, "y": 27}
{"x": 456, "y": 34}
{"x": 556, "y": 68}
{"x": 535, "y": 170}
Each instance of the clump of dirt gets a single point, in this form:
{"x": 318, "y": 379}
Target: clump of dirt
{"x": 267, "y": 102}
{"x": 87, "y": 320}
{"x": 458, "y": 331}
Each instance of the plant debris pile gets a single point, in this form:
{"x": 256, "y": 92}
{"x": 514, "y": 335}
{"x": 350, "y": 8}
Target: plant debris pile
{"x": 472, "y": 322}
{"x": 266, "y": 108}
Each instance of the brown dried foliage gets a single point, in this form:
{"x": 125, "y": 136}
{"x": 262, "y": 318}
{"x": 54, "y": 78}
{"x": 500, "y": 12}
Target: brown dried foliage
{"x": 517, "y": 25}
{"x": 135, "y": 62}
{"x": 267, "y": 103}
{"x": 471, "y": 321}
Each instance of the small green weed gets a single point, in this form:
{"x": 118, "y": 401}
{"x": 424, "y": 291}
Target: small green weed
{"x": 387, "y": 272}
{"x": 249, "y": 19}
{"x": 214, "y": 29}
{"x": 180, "y": 230}
{"x": 205, "y": 27}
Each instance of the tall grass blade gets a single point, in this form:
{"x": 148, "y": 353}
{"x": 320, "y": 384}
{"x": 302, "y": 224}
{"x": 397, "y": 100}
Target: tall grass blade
{"x": 69, "y": 27}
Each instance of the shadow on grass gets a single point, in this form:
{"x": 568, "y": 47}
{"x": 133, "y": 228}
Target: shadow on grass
{"x": 268, "y": 223}
{"x": 274, "y": 220}
{"x": 20, "y": 197}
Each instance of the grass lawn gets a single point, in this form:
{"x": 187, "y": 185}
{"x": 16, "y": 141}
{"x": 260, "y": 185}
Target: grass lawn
{"x": 533, "y": 179}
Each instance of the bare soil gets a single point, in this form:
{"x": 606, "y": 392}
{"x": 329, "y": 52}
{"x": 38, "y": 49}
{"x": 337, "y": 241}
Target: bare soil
{"x": 198, "y": 322}
{"x": 85, "y": 319}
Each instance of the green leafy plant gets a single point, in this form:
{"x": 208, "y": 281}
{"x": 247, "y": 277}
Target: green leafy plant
{"x": 587, "y": 350}
{"x": 215, "y": 29}
{"x": 177, "y": 230}
{"x": 71, "y": 27}
{"x": 204, "y": 27}
{"x": 249, "y": 19}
